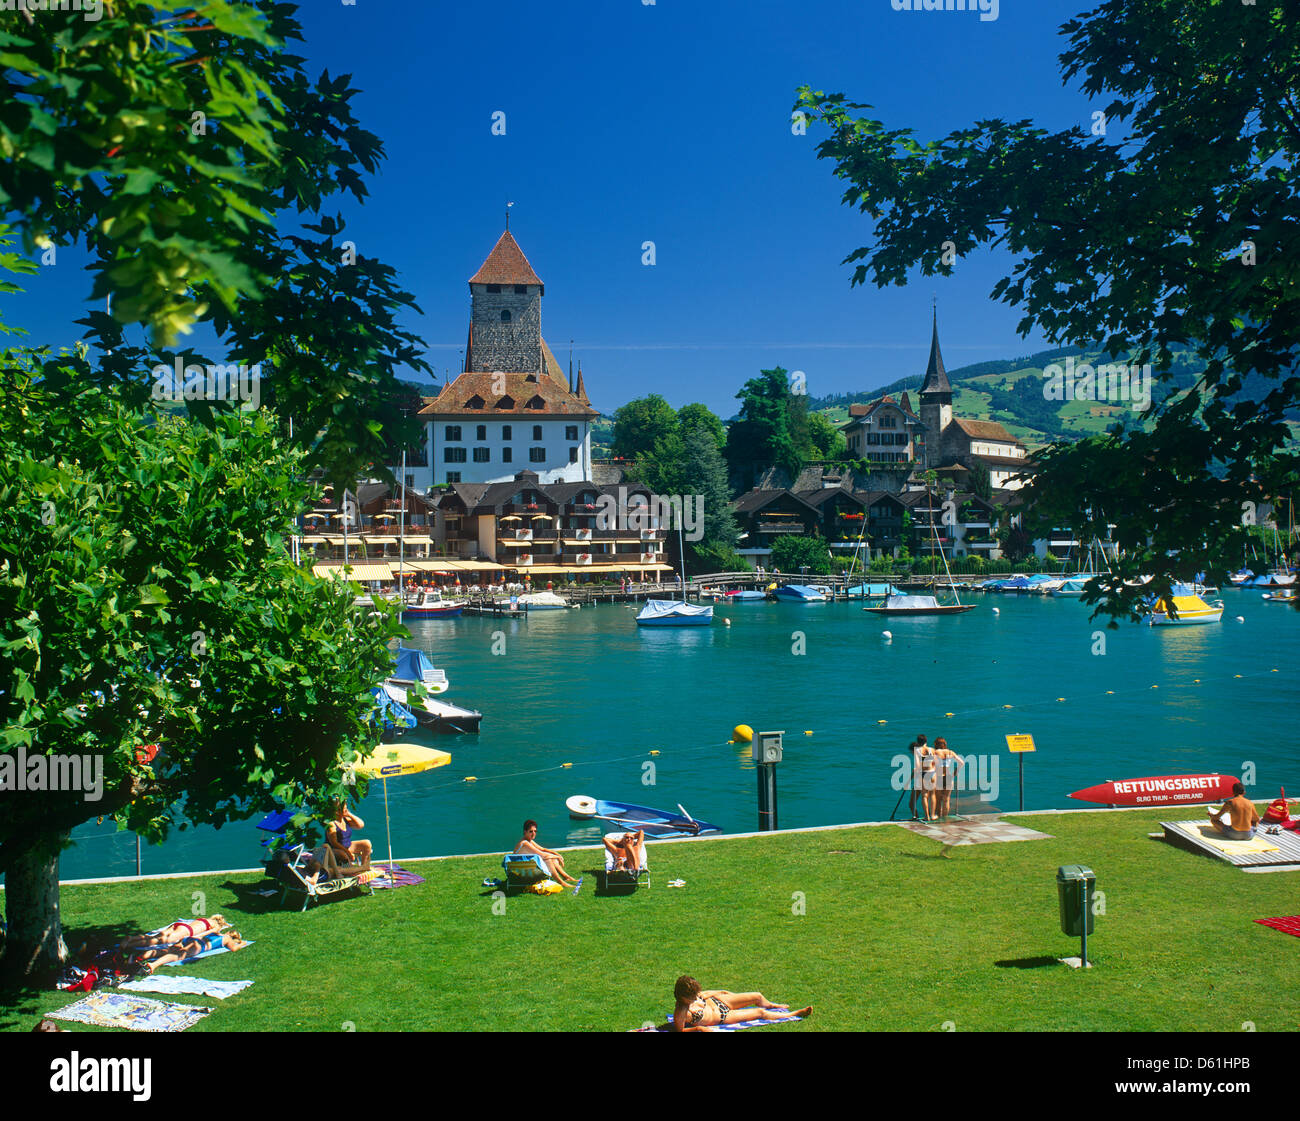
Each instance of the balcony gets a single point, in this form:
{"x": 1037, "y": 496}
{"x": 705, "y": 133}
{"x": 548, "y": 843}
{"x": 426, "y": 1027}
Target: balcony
{"x": 772, "y": 528}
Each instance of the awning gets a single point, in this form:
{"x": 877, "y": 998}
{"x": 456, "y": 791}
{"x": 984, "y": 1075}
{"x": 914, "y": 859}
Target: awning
{"x": 312, "y": 540}
{"x": 361, "y": 571}
{"x": 519, "y": 544}
{"x": 372, "y": 540}
{"x": 419, "y": 540}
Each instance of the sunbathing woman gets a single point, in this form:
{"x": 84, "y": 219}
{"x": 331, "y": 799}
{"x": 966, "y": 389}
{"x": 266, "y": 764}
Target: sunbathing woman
{"x": 338, "y": 836}
{"x": 707, "y": 1009}
{"x": 175, "y": 932}
{"x": 553, "y": 860}
{"x": 628, "y": 852}
{"x": 150, "y": 959}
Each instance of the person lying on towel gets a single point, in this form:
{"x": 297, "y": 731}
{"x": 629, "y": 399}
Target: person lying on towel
{"x": 151, "y": 958}
{"x": 707, "y": 1009}
{"x": 1243, "y": 816}
{"x": 176, "y": 932}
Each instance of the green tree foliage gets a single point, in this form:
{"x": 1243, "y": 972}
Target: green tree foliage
{"x": 173, "y": 148}
{"x": 701, "y": 416}
{"x": 981, "y": 480}
{"x": 147, "y": 596}
{"x": 825, "y": 440}
{"x": 762, "y": 436}
{"x": 1181, "y": 234}
{"x": 641, "y": 424}
{"x": 706, "y": 476}
{"x": 790, "y": 554}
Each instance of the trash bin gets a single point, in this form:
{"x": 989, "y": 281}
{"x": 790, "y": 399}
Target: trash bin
{"x": 1075, "y": 885}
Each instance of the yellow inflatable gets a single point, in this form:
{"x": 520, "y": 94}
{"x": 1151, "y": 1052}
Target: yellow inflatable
{"x": 742, "y": 733}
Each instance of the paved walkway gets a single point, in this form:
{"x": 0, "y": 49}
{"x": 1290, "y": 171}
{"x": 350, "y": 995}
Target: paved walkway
{"x": 984, "y": 830}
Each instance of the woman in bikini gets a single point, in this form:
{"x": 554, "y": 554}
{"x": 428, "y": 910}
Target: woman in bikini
{"x": 707, "y": 1009}
{"x": 922, "y": 777}
{"x": 947, "y": 763}
{"x": 151, "y": 958}
{"x": 176, "y": 932}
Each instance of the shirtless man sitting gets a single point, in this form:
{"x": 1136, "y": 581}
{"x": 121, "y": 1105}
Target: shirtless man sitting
{"x": 1243, "y": 814}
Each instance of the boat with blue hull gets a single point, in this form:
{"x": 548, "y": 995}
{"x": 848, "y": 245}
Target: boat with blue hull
{"x": 800, "y": 593}
{"x": 655, "y": 823}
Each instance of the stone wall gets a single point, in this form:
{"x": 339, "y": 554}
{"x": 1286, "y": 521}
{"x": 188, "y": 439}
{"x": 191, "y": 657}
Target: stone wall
{"x": 514, "y": 347}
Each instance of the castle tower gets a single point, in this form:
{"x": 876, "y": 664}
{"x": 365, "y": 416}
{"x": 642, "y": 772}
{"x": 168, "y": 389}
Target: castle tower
{"x": 505, "y": 331}
{"x": 936, "y": 401}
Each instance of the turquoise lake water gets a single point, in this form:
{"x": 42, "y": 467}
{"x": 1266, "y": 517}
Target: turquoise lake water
{"x": 590, "y": 688}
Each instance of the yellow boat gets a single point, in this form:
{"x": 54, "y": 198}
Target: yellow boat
{"x": 1188, "y": 610}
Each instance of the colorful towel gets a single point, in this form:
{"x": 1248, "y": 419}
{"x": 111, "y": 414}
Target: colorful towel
{"x": 135, "y": 1013}
{"x": 1206, "y": 833}
{"x": 751, "y": 1023}
{"x": 1287, "y": 925}
{"x": 196, "y": 985}
{"x": 205, "y": 954}
{"x": 397, "y": 877}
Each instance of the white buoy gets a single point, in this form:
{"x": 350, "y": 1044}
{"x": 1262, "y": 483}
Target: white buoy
{"x": 1241, "y": 618}
{"x": 996, "y": 611}
{"x": 726, "y": 622}
{"x": 887, "y": 636}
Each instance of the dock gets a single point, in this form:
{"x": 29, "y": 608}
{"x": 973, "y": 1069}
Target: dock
{"x": 1195, "y": 836}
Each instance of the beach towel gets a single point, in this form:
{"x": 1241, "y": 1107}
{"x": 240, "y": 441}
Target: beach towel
{"x": 1287, "y": 925}
{"x": 205, "y": 954}
{"x": 196, "y": 985}
{"x": 1206, "y": 833}
{"x": 134, "y": 1013}
{"x": 751, "y": 1023}
{"x": 398, "y": 877}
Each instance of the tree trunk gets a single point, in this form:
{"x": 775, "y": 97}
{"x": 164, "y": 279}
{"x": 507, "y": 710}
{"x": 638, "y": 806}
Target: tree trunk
{"x": 34, "y": 943}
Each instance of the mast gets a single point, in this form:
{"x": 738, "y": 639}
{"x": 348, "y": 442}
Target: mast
{"x": 934, "y": 534}
{"x": 401, "y": 544}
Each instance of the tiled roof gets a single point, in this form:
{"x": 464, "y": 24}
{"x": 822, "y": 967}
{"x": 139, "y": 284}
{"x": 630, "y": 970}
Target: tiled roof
{"x": 506, "y": 264}
{"x": 985, "y": 430}
{"x": 1026, "y": 465}
{"x": 553, "y": 398}
{"x": 823, "y": 495}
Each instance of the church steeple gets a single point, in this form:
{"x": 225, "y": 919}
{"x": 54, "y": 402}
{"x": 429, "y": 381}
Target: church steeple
{"x": 936, "y": 377}
{"x": 935, "y": 402}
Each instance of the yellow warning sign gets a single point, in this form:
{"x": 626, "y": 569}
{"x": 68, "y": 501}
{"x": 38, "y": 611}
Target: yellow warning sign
{"x": 1020, "y": 743}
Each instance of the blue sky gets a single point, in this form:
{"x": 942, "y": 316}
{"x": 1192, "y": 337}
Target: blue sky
{"x": 629, "y": 122}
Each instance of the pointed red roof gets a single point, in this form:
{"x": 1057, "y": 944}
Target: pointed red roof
{"x": 506, "y": 264}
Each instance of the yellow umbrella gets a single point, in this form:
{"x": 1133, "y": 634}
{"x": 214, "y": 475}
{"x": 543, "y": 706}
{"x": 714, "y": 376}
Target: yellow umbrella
{"x": 390, "y": 760}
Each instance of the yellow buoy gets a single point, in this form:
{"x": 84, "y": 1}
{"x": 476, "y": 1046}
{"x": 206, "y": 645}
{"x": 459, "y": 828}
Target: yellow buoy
{"x": 654, "y": 751}
{"x": 1110, "y": 692}
{"x": 1006, "y": 706}
{"x": 947, "y": 714}
{"x": 807, "y": 733}
{"x": 742, "y": 733}
{"x": 1060, "y": 698}
{"x": 1155, "y": 686}
{"x": 1236, "y": 675}
{"x": 471, "y": 778}
{"x": 882, "y": 721}
{"x": 566, "y": 764}
{"x": 1196, "y": 680}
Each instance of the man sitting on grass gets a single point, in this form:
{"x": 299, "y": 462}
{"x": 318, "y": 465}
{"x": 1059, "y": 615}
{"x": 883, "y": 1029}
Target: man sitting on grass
{"x": 1243, "y": 814}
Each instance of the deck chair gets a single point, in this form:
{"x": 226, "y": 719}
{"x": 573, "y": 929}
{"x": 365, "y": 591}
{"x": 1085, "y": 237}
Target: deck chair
{"x": 622, "y": 877}
{"x": 294, "y": 877}
{"x": 523, "y": 870}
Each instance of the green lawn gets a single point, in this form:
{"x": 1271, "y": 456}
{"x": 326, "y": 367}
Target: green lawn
{"x": 898, "y": 935}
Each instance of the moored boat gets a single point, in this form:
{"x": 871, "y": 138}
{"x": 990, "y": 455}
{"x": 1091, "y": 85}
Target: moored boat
{"x": 441, "y": 716}
{"x": 1187, "y": 609}
{"x": 656, "y": 823}
{"x": 674, "y": 613}
{"x": 918, "y": 605}
{"x": 800, "y": 593}
{"x": 431, "y": 605}
{"x": 412, "y": 666}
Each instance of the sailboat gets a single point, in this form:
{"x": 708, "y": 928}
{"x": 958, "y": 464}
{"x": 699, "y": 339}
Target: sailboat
{"x": 898, "y": 604}
{"x": 673, "y": 612}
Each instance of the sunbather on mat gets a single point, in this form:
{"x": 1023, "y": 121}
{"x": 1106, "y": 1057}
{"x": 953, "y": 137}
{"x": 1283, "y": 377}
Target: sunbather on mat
{"x": 1244, "y": 816}
{"x": 151, "y": 958}
{"x": 176, "y": 932}
{"x": 628, "y": 852}
{"x": 706, "y": 1009}
{"x": 552, "y": 859}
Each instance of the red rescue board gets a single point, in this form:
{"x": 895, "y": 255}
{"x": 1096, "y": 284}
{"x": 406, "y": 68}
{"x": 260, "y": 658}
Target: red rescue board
{"x": 1162, "y": 790}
